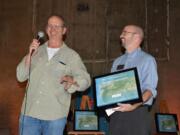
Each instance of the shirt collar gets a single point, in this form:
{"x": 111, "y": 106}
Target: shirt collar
{"x": 61, "y": 48}
{"x": 63, "y": 45}
{"x": 133, "y": 53}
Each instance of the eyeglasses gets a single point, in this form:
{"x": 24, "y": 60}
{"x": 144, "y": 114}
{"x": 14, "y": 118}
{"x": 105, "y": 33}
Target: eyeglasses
{"x": 128, "y": 32}
{"x": 50, "y": 26}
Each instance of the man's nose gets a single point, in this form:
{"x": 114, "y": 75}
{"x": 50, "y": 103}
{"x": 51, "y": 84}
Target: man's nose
{"x": 121, "y": 36}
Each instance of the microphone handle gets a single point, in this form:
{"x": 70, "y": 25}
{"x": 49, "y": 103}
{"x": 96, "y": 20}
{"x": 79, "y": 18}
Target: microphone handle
{"x": 38, "y": 39}
{"x": 32, "y": 52}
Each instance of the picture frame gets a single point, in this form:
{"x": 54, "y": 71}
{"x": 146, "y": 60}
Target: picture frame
{"x": 86, "y": 120}
{"x": 117, "y": 87}
{"x": 166, "y": 123}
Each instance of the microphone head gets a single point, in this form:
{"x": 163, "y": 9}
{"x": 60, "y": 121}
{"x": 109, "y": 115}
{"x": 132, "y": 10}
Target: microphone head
{"x": 40, "y": 34}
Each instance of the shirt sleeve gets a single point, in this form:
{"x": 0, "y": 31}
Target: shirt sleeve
{"x": 22, "y": 71}
{"x": 150, "y": 76}
{"x": 80, "y": 75}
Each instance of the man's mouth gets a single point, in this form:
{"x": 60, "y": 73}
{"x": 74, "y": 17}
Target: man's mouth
{"x": 122, "y": 39}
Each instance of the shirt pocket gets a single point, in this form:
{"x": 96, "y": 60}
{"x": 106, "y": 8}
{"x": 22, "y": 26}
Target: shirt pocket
{"x": 62, "y": 68}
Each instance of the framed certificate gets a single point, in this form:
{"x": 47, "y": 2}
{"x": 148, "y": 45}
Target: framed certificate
{"x": 86, "y": 120}
{"x": 118, "y": 87}
{"x": 166, "y": 123}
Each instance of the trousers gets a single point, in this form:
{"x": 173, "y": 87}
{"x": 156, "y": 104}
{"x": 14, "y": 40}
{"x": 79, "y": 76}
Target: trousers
{"x": 33, "y": 126}
{"x": 137, "y": 122}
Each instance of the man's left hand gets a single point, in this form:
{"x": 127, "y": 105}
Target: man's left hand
{"x": 67, "y": 80}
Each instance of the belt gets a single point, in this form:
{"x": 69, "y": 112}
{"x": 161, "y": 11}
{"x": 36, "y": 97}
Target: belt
{"x": 149, "y": 107}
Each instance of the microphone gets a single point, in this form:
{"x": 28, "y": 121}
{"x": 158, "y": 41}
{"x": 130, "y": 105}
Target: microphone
{"x": 39, "y": 36}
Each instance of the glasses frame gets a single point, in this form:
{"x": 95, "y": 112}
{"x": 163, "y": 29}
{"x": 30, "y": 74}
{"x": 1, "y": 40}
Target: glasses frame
{"x": 50, "y": 26}
{"x": 128, "y": 32}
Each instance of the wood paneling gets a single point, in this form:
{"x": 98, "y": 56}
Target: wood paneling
{"x": 94, "y": 27}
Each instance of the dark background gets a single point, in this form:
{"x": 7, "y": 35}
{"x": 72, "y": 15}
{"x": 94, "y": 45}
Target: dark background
{"x": 94, "y": 28}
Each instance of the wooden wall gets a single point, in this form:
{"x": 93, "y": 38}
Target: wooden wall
{"x": 94, "y": 28}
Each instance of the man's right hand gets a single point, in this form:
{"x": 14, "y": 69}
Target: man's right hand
{"x": 33, "y": 46}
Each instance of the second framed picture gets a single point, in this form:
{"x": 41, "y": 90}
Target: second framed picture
{"x": 166, "y": 123}
{"x": 118, "y": 87}
{"x": 86, "y": 120}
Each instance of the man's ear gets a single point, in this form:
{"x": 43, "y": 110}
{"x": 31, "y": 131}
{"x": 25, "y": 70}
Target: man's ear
{"x": 64, "y": 30}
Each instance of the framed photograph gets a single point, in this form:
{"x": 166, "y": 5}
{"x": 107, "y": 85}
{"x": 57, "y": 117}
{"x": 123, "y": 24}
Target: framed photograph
{"x": 166, "y": 123}
{"x": 118, "y": 87}
{"x": 86, "y": 120}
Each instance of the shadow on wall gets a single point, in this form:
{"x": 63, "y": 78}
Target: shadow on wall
{"x": 4, "y": 131}
{"x": 4, "y": 119}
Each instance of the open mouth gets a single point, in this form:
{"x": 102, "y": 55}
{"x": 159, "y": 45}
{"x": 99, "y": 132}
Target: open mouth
{"x": 122, "y": 39}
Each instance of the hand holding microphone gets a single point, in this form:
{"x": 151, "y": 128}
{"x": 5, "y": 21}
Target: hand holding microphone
{"x": 35, "y": 43}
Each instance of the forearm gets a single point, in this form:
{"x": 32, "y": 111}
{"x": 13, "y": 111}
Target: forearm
{"x": 146, "y": 95}
{"x": 130, "y": 107}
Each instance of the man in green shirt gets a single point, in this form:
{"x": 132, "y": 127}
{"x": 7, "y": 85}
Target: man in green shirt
{"x": 54, "y": 72}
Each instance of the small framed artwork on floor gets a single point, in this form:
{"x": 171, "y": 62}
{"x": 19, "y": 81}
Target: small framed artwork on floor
{"x": 86, "y": 120}
{"x": 166, "y": 123}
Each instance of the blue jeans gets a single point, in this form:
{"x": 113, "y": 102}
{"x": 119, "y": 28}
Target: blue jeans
{"x": 34, "y": 126}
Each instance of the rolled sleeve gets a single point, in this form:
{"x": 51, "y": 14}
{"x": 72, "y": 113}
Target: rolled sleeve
{"x": 83, "y": 84}
{"x": 80, "y": 75}
{"x": 22, "y": 71}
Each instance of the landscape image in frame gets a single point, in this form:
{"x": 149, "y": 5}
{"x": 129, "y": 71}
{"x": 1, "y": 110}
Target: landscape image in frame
{"x": 166, "y": 123}
{"x": 117, "y": 87}
{"x": 86, "y": 121}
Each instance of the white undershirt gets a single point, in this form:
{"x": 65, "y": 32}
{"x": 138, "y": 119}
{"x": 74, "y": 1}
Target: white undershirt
{"x": 51, "y": 52}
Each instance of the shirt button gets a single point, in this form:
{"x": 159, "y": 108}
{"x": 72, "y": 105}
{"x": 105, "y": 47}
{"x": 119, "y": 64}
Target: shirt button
{"x": 37, "y": 102}
{"x": 42, "y": 82}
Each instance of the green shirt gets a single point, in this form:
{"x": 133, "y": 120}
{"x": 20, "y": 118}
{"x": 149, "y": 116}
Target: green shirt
{"x": 46, "y": 97}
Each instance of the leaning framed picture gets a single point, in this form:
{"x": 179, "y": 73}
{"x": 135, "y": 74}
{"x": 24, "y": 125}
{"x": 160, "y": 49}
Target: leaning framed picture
{"x": 166, "y": 123}
{"x": 86, "y": 120}
{"x": 118, "y": 87}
